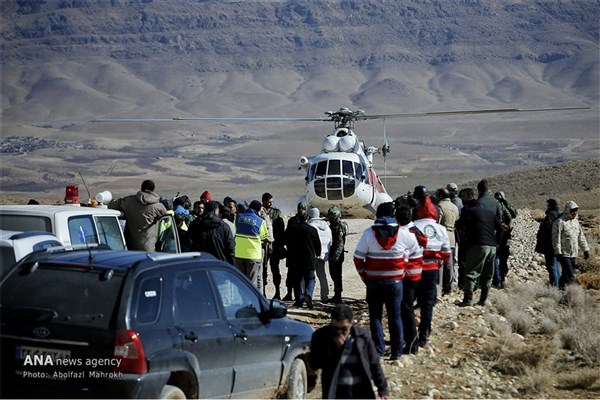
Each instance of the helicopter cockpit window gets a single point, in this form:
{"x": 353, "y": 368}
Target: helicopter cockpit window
{"x": 321, "y": 169}
{"x": 334, "y": 167}
{"x": 347, "y": 169}
{"x": 334, "y": 188}
{"x": 311, "y": 172}
{"x": 349, "y": 187}
{"x": 359, "y": 171}
{"x": 320, "y": 188}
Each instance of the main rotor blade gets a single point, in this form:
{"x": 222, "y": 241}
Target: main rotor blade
{"x": 224, "y": 119}
{"x": 464, "y": 112}
{"x": 330, "y": 118}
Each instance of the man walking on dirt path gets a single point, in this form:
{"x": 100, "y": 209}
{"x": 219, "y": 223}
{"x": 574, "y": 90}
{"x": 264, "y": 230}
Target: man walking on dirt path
{"x": 348, "y": 357}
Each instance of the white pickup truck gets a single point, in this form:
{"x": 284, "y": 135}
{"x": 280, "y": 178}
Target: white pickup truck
{"x": 74, "y": 225}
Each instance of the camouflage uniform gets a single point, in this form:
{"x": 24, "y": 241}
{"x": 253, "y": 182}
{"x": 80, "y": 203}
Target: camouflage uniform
{"x": 276, "y": 249}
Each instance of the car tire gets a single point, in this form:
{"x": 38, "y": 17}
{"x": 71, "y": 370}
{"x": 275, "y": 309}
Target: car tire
{"x": 297, "y": 381}
{"x": 172, "y": 392}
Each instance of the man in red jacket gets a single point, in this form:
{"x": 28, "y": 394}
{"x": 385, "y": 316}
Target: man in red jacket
{"x": 435, "y": 254}
{"x": 380, "y": 260}
{"x": 411, "y": 280}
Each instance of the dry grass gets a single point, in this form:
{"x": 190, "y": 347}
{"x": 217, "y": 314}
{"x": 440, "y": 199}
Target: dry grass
{"x": 517, "y": 303}
{"x": 499, "y": 325}
{"x": 581, "y": 379}
{"x": 511, "y": 356}
{"x": 537, "y": 381}
{"x": 538, "y": 214}
{"x": 568, "y": 320}
{"x": 581, "y": 324}
{"x": 548, "y": 326}
{"x": 520, "y": 321}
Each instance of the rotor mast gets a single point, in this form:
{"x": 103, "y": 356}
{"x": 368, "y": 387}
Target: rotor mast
{"x": 345, "y": 118}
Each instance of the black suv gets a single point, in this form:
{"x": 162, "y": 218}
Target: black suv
{"x": 105, "y": 323}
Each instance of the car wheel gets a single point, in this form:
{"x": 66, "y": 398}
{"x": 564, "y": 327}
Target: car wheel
{"x": 172, "y": 392}
{"x": 297, "y": 382}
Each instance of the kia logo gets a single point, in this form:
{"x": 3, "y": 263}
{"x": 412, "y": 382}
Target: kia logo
{"x": 41, "y": 332}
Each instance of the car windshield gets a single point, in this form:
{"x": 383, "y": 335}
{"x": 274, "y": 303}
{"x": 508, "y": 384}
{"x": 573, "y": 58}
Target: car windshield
{"x": 68, "y": 296}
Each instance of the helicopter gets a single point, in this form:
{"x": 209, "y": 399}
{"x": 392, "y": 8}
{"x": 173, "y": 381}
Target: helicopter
{"x": 343, "y": 173}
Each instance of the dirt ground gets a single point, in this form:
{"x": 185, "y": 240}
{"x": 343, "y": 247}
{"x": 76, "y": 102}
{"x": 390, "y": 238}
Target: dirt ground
{"x": 453, "y": 364}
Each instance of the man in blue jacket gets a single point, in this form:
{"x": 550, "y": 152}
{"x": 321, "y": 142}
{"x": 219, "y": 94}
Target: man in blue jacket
{"x": 250, "y": 231}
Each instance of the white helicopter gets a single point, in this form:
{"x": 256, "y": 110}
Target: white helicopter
{"x": 343, "y": 173}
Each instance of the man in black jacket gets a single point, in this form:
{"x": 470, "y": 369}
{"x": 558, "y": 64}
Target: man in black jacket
{"x": 303, "y": 247}
{"x": 348, "y": 357}
{"x": 482, "y": 230}
{"x": 210, "y": 234}
{"x": 543, "y": 242}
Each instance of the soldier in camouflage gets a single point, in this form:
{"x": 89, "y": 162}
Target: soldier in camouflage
{"x": 274, "y": 251}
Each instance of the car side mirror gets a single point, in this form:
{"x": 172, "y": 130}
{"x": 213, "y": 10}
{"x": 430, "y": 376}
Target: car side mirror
{"x": 277, "y": 309}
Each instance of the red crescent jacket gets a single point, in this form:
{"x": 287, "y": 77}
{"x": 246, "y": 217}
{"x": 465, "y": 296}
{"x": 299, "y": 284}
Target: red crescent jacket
{"x": 384, "y": 256}
{"x": 414, "y": 267}
{"x": 437, "y": 251}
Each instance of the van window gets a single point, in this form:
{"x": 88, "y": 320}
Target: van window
{"x": 109, "y": 232}
{"x": 83, "y": 230}
{"x": 25, "y": 223}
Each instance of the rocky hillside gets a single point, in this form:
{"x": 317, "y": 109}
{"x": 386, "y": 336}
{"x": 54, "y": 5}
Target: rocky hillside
{"x": 297, "y": 35}
{"x": 531, "y": 187}
{"x": 518, "y": 346}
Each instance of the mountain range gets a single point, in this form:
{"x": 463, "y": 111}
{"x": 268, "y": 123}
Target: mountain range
{"x": 67, "y": 62}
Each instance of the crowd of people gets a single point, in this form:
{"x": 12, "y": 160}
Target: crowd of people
{"x": 253, "y": 237}
{"x": 421, "y": 246}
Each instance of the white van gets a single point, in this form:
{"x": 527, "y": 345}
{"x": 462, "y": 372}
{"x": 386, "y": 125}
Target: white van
{"x": 72, "y": 225}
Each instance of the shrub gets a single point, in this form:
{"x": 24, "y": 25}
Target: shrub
{"x": 581, "y": 325}
{"x": 520, "y": 321}
{"x": 582, "y": 379}
{"x": 499, "y": 325}
{"x": 548, "y": 326}
{"x": 512, "y": 357}
{"x": 537, "y": 381}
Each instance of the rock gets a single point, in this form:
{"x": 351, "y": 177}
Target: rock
{"x": 450, "y": 325}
